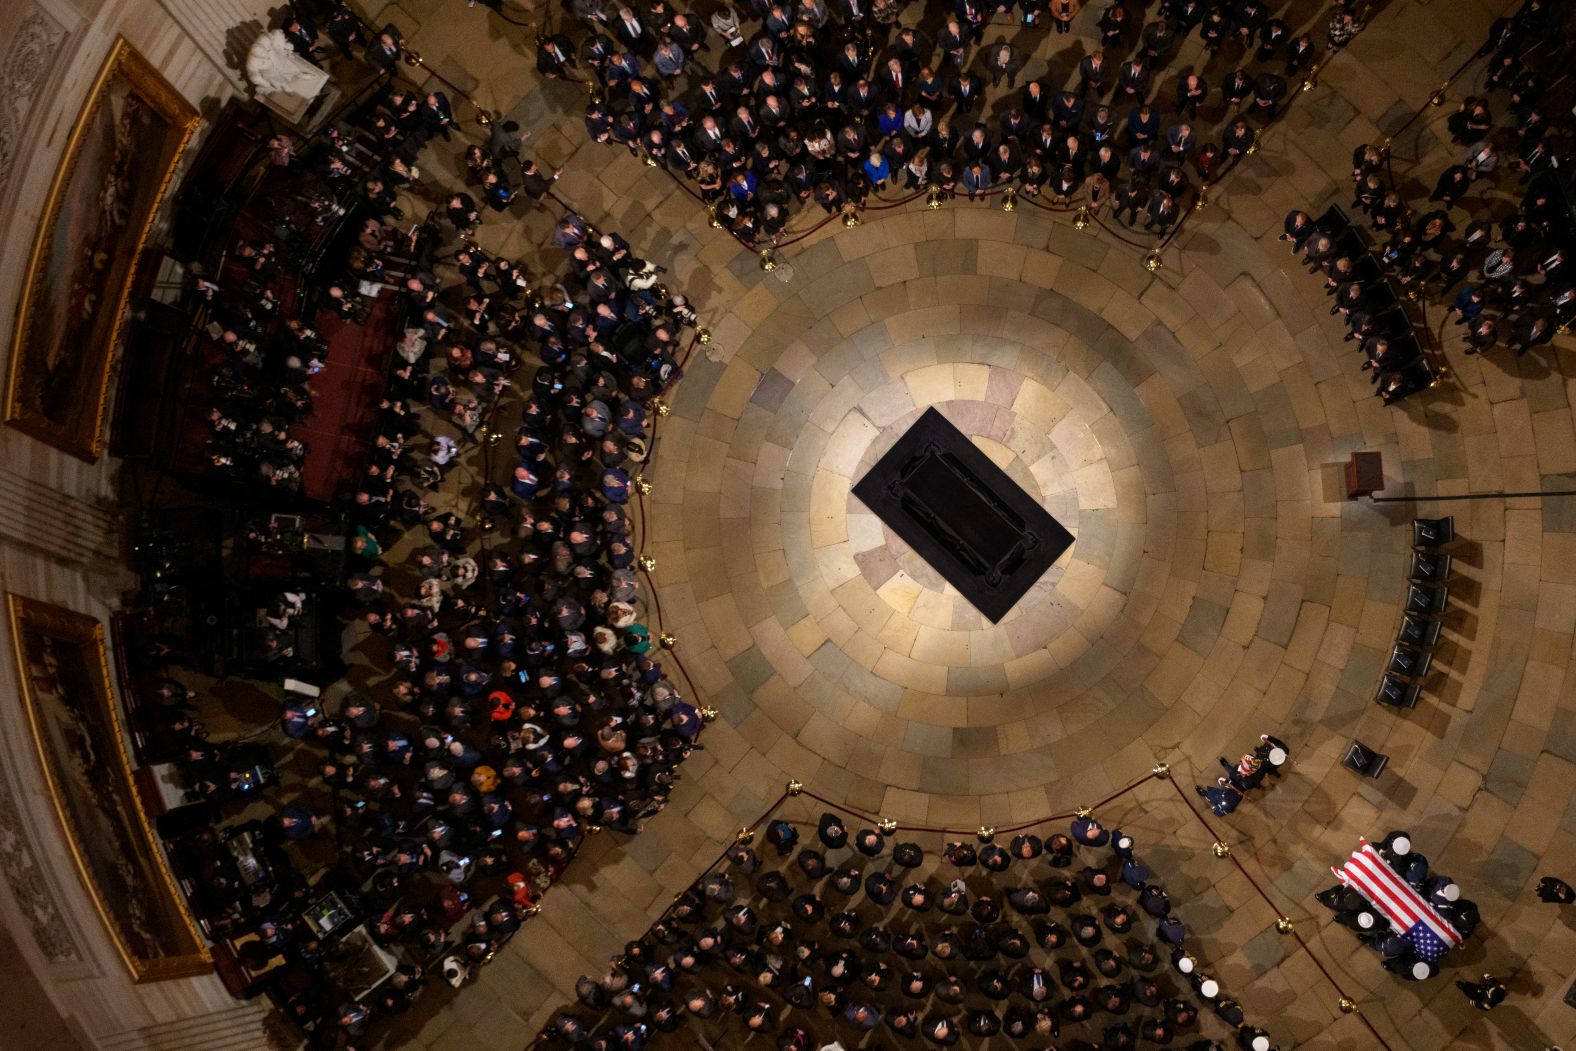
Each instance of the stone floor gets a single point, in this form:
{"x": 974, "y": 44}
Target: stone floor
{"x": 1188, "y": 426}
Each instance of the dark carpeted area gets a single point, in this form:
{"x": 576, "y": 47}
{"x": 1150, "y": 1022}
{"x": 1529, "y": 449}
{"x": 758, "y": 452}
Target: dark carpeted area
{"x": 963, "y": 515}
{"x": 345, "y": 396}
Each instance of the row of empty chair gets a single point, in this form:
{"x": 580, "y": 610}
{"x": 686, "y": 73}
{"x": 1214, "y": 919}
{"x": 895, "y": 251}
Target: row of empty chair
{"x": 1427, "y": 601}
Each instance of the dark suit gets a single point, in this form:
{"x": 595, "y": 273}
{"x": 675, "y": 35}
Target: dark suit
{"x": 631, "y": 34}
{"x": 383, "y": 55}
{"x": 965, "y": 91}
{"x": 554, "y": 55}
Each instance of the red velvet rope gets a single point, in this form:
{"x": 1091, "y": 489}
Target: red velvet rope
{"x": 1278, "y": 913}
{"x": 871, "y": 821}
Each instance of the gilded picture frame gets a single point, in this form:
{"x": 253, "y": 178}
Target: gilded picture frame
{"x": 117, "y": 165}
{"x": 63, "y": 672}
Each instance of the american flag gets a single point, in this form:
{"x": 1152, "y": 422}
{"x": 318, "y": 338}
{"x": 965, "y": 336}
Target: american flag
{"x": 1413, "y": 918}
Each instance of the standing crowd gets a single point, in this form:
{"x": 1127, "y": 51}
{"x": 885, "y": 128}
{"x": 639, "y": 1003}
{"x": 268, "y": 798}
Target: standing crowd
{"x": 841, "y": 937}
{"x": 832, "y": 101}
{"x": 1493, "y": 239}
{"x": 528, "y": 704}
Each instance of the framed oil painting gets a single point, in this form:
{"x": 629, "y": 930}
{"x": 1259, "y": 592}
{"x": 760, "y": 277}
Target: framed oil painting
{"x": 71, "y": 709}
{"x": 118, "y": 162}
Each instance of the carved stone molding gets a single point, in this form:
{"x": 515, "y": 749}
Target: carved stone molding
{"x": 24, "y": 69}
{"x": 28, "y": 884}
{"x": 66, "y": 529}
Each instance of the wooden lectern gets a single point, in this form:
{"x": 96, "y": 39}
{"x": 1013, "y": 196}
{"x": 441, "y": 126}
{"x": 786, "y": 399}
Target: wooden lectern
{"x": 1364, "y": 475}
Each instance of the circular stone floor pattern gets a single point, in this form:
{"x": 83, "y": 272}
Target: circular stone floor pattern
{"x": 807, "y": 613}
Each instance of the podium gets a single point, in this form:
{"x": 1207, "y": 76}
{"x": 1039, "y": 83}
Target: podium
{"x": 1364, "y": 475}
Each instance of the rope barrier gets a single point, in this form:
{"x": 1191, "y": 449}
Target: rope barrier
{"x": 794, "y": 788}
{"x": 1295, "y": 934}
{"x": 998, "y": 831}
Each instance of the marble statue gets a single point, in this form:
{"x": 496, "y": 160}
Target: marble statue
{"x": 275, "y": 69}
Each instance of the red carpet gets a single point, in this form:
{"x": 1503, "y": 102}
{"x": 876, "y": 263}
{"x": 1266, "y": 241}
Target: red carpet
{"x": 339, "y": 432}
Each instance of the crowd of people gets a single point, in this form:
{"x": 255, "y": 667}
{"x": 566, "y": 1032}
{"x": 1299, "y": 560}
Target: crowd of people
{"x": 1066, "y": 939}
{"x": 529, "y": 704}
{"x": 786, "y": 103}
{"x": 1506, "y": 274}
{"x": 1366, "y": 300}
{"x": 1397, "y": 953}
{"x": 316, "y": 248}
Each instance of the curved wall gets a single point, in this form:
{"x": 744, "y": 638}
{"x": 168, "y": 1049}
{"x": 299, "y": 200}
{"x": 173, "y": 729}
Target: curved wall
{"x": 59, "y": 525}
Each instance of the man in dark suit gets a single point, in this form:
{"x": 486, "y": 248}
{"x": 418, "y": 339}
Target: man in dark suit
{"x": 343, "y": 29}
{"x": 688, "y": 34}
{"x": 744, "y": 127}
{"x": 913, "y": 49}
{"x": 534, "y": 183}
{"x": 437, "y": 115}
{"x": 1530, "y": 330}
{"x": 1035, "y": 101}
{"x": 954, "y": 42}
{"x": 1133, "y": 81}
{"x": 385, "y": 52}
{"x": 707, "y": 97}
{"x": 765, "y": 53}
{"x": 976, "y": 179}
{"x": 708, "y": 137}
{"x": 892, "y": 81}
{"x": 1003, "y": 62}
{"x": 629, "y": 30}
{"x": 302, "y": 35}
{"x": 554, "y": 55}
{"x": 966, "y": 91}
{"x": 1094, "y": 74}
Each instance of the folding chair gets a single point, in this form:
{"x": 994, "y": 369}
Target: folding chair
{"x": 1427, "y": 600}
{"x": 1431, "y": 533}
{"x": 1418, "y": 632}
{"x": 1429, "y": 567}
{"x": 1408, "y": 663}
{"x": 1398, "y": 694}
